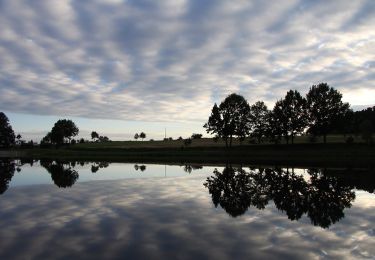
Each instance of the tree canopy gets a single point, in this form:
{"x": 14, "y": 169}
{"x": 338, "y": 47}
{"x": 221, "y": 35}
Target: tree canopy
{"x": 142, "y": 135}
{"x": 229, "y": 119}
{"x": 259, "y": 122}
{"x": 292, "y": 114}
{"x": 7, "y": 137}
{"x": 94, "y": 135}
{"x": 324, "y": 107}
{"x": 62, "y": 130}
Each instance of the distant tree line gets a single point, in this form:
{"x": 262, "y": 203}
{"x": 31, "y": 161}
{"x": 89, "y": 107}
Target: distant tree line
{"x": 320, "y": 113}
{"x": 99, "y": 138}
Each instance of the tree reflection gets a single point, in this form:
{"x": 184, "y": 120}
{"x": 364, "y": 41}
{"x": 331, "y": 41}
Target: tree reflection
{"x": 62, "y": 173}
{"x": 189, "y": 168}
{"x": 142, "y": 168}
{"x": 7, "y": 169}
{"x": 98, "y": 165}
{"x": 328, "y": 197}
{"x": 322, "y": 198}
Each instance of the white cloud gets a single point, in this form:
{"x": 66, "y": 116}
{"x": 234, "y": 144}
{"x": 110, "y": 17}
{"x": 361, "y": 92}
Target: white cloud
{"x": 171, "y": 60}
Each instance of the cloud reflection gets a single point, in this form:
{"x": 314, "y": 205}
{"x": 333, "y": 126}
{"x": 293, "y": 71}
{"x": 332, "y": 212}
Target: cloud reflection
{"x": 160, "y": 219}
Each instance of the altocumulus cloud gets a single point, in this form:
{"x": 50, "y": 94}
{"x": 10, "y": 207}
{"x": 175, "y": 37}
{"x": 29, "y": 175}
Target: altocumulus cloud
{"x": 170, "y": 60}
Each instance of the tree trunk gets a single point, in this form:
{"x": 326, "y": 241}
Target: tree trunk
{"x": 292, "y": 138}
{"x": 230, "y": 143}
{"x": 226, "y": 142}
{"x": 325, "y": 138}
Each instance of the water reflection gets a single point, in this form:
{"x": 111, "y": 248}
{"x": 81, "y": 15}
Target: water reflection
{"x": 7, "y": 169}
{"x": 189, "y": 168}
{"x": 142, "y": 168}
{"x": 321, "y": 197}
{"x": 62, "y": 173}
{"x": 98, "y": 165}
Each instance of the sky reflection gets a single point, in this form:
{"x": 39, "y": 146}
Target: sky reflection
{"x": 167, "y": 218}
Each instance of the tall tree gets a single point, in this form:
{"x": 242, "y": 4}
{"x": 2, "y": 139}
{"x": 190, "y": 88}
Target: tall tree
{"x": 229, "y": 119}
{"x": 7, "y": 137}
{"x": 63, "y": 129}
{"x": 292, "y": 114}
{"x": 324, "y": 108}
{"x": 259, "y": 122}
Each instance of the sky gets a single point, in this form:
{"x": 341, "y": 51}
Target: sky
{"x": 121, "y": 67}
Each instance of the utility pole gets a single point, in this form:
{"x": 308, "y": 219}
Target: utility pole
{"x": 165, "y": 133}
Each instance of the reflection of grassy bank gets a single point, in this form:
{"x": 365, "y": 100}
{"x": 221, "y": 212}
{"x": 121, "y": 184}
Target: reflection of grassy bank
{"x": 298, "y": 154}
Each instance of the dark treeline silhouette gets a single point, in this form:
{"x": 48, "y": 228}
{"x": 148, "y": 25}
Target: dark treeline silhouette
{"x": 320, "y": 113}
{"x": 322, "y": 198}
{"x": 356, "y": 123}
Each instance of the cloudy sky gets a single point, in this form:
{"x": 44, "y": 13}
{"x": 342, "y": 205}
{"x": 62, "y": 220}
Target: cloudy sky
{"x": 119, "y": 67}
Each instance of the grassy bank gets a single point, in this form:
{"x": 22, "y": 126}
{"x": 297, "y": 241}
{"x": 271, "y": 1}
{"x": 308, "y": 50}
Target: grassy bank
{"x": 302, "y": 154}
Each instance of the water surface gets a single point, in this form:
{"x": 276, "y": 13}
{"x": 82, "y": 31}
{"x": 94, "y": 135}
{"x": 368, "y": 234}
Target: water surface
{"x": 99, "y": 210}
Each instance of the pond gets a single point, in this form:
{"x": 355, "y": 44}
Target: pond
{"x": 63, "y": 210}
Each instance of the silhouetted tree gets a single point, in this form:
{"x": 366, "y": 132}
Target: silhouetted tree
{"x": 136, "y": 136}
{"x": 142, "y": 135}
{"x": 7, "y": 137}
{"x": 62, "y": 129}
{"x": 274, "y": 131}
{"x": 291, "y": 113}
{"x": 324, "y": 108}
{"x": 94, "y": 135}
{"x": 259, "y": 122}
{"x": 229, "y": 119}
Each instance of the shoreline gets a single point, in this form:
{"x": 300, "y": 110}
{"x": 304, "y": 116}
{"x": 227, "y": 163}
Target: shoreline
{"x": 297, "y": 154}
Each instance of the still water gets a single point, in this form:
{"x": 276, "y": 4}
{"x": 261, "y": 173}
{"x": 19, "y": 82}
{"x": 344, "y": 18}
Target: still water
{"x": 96, "y": 210}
